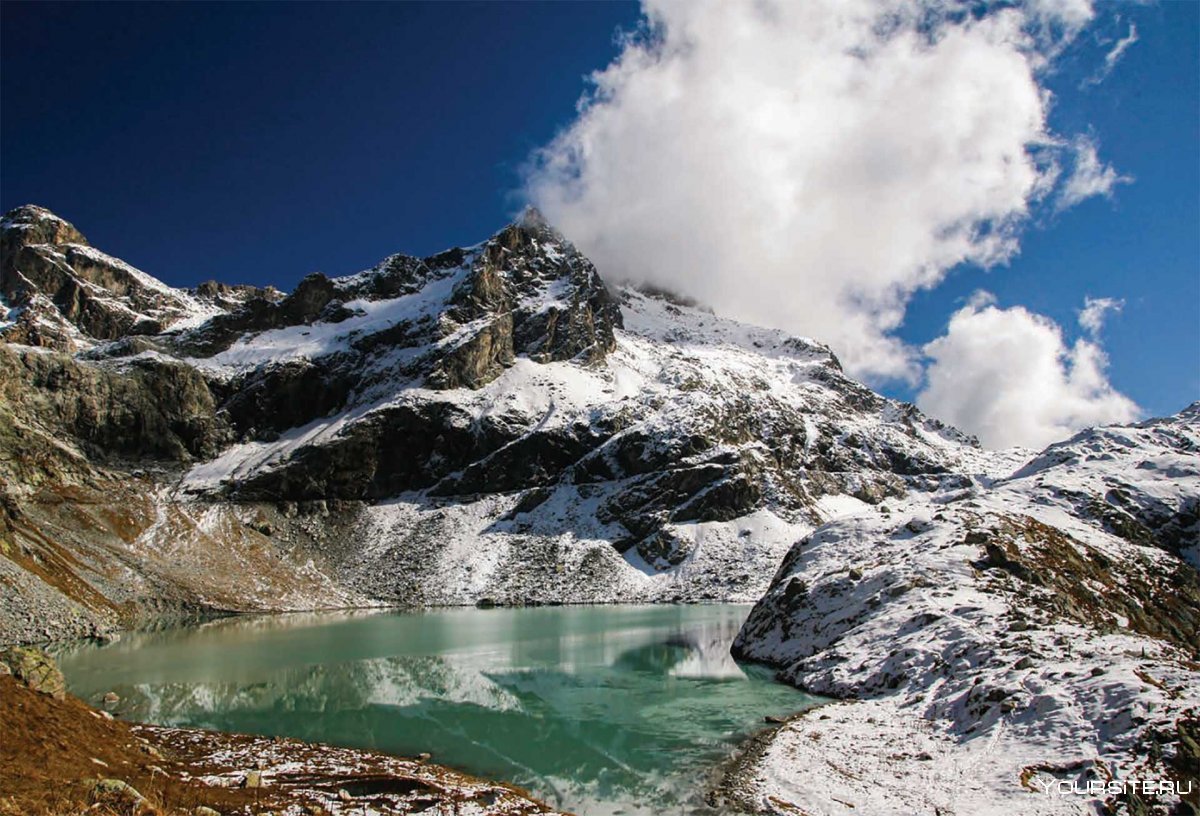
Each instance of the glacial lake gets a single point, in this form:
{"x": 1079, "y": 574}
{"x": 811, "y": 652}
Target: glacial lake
{"x": 597, "y": 710}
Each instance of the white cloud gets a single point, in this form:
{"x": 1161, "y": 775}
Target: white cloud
{"x": 1118, "y": 50}
{"x": 1113, "y": 57}
{"x": 1090, "y": 177}
{"x": 1007, "y": 376}
{"x": 1095, "y": 311}
{"x": 1073, "y": 14}
{"x": 811, "y": 165}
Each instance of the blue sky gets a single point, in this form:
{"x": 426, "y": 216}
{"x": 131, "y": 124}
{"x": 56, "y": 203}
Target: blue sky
{"x": 261, "y": 142}
{"x": 1143, "y": 245}
{"x": 257, "y": 143}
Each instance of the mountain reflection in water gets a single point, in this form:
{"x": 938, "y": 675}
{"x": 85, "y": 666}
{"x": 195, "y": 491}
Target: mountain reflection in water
{"x": 617, "y": 709}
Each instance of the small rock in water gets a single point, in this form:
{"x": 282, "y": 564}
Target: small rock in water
{"x": 425, "y": 757}
{"x": 775, "y": 720}
{"x": 111, "y": 698}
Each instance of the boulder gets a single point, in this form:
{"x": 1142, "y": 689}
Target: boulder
{"x": 116, "y": 790}
{"x": 36, "y": 669}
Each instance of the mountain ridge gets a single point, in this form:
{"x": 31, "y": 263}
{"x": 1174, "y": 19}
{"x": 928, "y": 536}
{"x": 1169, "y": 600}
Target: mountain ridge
{"x": 502, "y": 389}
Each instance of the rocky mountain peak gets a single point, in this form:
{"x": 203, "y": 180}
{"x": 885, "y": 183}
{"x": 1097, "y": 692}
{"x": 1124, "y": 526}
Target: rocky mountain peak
{"x": 525, "y": 291}
{"x": 69, "y": 295}
{"x": 31, "y": 224}
{"x": 457, "y": 318}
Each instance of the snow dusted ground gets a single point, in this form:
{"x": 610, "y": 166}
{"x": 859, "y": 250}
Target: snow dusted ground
{"x": 298, "y": 778}
{"x": 996, "y": 642}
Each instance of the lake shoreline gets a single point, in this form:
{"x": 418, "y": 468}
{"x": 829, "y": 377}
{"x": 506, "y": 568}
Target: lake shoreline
{"x": 62, "y": 756}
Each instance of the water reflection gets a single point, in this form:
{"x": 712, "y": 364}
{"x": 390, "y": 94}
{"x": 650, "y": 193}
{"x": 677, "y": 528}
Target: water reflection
{"x": 600, "y": 709}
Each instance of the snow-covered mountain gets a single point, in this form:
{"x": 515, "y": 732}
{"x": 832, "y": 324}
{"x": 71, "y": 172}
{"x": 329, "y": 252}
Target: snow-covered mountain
{"x": 1040, "y": 633}
{"x": 492, "y": 422}
{"x": 60, "y": 292}
{"x": 498, "y": 424}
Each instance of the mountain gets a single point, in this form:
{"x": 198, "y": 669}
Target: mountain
{"x": 498, "y": 424}
{"x": 489, "y": 423}
{"x": 67, "y": 295}
{"x": 1043, "y": 632}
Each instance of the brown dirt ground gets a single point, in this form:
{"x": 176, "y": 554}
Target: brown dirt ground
{"x": 52, "y": 752}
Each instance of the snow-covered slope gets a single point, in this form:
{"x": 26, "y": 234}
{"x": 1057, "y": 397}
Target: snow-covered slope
{"x": 1004, "y": 640}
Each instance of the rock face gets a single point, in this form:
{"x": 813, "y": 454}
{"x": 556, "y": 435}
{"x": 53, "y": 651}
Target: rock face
{"x": 69, "y": 294}
{"x": 152, "y": 409}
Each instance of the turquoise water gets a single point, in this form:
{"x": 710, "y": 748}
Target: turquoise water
{"x": 608, "y": 709}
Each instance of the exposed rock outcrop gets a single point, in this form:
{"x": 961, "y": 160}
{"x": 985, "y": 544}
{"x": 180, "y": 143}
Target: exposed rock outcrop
{"x": 45, "y": 262}
{"x": 35, "y": 669}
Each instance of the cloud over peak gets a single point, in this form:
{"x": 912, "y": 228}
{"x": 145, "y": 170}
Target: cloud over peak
{"x": 812, "y": 165}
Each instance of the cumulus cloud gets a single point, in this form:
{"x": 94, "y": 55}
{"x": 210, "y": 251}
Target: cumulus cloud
{"x": 1095, "y": 312}
{"x": 1090, "y": 176}
{"x": 1009, "y": 376}
{"x": 811, "y": 165}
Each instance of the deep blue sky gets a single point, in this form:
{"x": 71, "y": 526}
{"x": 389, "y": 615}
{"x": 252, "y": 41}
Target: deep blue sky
{"x": 257, "y": 143}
